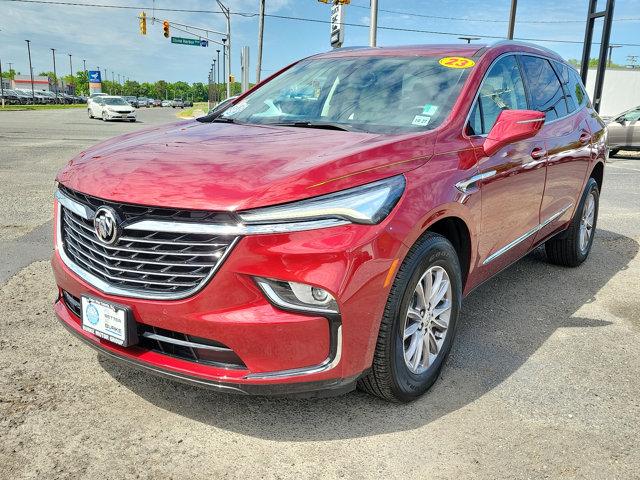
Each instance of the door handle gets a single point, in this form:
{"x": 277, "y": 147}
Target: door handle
{"x": 538, "y": 153}
{"x": 585, "y": 138}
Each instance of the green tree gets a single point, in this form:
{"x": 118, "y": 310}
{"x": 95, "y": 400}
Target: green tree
{"x": 10, "y": 74}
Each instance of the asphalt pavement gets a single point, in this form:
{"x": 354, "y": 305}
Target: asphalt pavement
{"x": 542, "y": 382}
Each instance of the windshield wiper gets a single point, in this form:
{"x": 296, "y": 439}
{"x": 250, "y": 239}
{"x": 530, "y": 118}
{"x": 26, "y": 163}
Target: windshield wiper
{"x": 324, "y": 125}
{"x": 224, "y": 120}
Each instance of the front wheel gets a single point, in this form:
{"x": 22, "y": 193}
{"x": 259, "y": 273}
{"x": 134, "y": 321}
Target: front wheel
{"x": 613, "y": 152}
{"x": 104, "y": 117}
{"x": 572, "y": 247}
{"x": 89, "y": 112}
{"x": 419, "y": 321}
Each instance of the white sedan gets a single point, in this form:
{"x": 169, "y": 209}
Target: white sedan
{"x": 111, "y": 108}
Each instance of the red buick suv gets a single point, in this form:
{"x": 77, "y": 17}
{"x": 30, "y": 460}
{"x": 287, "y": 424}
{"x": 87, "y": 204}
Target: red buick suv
{"x": 321, "y": 232}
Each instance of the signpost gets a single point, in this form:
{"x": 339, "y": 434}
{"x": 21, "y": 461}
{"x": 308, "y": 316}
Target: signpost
{"x": 95, "y": 81}
{"x": 337, "y": 27}
{"x": 194, "y": 42}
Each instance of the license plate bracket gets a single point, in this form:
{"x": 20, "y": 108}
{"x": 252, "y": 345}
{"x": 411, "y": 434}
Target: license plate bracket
{"x": 108, "y": 320}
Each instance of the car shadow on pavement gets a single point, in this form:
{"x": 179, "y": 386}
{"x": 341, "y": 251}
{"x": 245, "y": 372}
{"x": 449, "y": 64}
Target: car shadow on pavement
{"x": 503, "y": 323}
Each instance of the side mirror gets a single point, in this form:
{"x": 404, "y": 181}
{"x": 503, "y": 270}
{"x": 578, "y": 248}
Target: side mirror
{"x": 511, "y": 126}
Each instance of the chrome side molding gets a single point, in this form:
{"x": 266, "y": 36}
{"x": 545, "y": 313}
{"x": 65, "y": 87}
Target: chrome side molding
{"x": 526, "y": 235}
{"x": 470, "y": 183}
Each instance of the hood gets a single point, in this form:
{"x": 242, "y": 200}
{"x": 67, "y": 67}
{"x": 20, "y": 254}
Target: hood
{"x": 227, "y": 167}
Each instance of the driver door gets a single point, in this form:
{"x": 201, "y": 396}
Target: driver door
{"x": 514, "y": 177}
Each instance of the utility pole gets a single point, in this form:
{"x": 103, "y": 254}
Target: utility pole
{"x": 1, "y": 84}
{"x": 373, "y": 28}
{"x": 260, "y": 41}
{"x": 218, "y": 75}
{"x": 33, "y": 93}
{"x": 244, "y": 61}
{"x": 611, "y": 47}
{"x": 55, "y": 74}
{"x": 227, "y": 14}
{"x": 224, "y": 62}
{"x": 512, "y": 19}
{"x": 213, "y": 76}
{"x": 71, "y": 70}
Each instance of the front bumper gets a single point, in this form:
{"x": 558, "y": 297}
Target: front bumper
{"x": 281, "y": 351}
{"x": 120, "y": 116}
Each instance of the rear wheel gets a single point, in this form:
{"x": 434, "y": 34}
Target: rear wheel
{"x": 613, "y": 152}
{"x": 419, "y": 321}
{"x": 89, "y": 112}
{"x": 572, "y": 247}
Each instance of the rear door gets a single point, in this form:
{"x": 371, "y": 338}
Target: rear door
{"x": 566, "y": 134}
{"x": 514, "y": 176}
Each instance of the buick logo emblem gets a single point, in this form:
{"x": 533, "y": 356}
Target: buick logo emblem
{"x": 106, "y": 225}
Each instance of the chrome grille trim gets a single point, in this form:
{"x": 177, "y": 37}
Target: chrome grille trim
{"x": 157, "y": 265}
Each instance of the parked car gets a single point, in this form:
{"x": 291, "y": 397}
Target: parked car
{"x": 111, "y": 108}
{"x": 177, "y": 102}
{"x": 326, "y": 240}
{"x": 188, "y": 103}
{"x": 143, "y": 102}
{"x": 222, "y": 105}
{"x": 92, "y": 98}
{"x": 166, "y": 103}
{"x": 624, "y": 131}
{"x": 157, "y": 102}
{"x": 131, "y": 100}
{"x": 29, "y": 97}
{"x": 10, "y": 97}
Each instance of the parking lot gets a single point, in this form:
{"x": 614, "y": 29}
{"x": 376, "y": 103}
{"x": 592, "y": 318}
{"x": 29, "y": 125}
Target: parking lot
{"x": 542, "y": 381}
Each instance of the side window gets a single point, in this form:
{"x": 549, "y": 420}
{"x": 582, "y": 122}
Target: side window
{"x": 502, "y": 89}
{"x": 565, "y": 79}
{"x": 632, "y": 116}
{"x": 577, "y": 89}
{"x": 545, "y": 90}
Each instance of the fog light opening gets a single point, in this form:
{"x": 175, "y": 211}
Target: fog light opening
{"x": 297, "y": 296}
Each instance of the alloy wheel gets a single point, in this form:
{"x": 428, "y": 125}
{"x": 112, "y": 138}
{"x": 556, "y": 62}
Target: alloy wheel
{"x": 586, "y": 221}
{"x": 427, "y": 320}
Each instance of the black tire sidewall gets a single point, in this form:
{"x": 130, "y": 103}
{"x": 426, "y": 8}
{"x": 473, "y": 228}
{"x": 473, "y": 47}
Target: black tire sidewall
{"x": 436, "y": 252}
{"x": 592, "y": 187}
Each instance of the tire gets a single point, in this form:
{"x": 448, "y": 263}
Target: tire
{"x": 613, "y": 152}
{"x": 132, "y": 120}
{"x": 569, "y": 248}
{"x": 104, "y": 117}
{"x": 390, "y": 377}
{"x": 90, "y": 114}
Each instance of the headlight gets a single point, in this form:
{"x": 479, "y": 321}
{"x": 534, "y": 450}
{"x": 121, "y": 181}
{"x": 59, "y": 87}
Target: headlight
{"x": 367, "y": 204}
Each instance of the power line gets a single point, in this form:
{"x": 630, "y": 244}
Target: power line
{"x": 483, "y": 20}
{"x": 303, "y": 19}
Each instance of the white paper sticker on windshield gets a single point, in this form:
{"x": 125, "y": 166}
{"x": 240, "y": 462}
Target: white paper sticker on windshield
{"x": 421, "y": 120}
{"x": 235, "y": 109}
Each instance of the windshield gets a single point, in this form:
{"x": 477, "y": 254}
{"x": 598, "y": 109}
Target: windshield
{"x": 115, "y": 101}
{"x": 369, "y": 94}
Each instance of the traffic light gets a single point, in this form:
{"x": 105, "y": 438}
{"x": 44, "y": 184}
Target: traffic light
{"x": 165, "y": 29}
{"x": 143, "y": 23}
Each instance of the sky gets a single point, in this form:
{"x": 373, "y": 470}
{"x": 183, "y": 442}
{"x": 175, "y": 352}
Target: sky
{"x": 109, "y": 38}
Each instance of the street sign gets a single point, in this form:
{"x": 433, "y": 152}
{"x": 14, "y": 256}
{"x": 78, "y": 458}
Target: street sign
{"x": 337, "y": 27}
{"x": 194, "y": 42}
{"x": 95, "y": 82}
